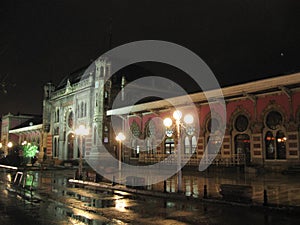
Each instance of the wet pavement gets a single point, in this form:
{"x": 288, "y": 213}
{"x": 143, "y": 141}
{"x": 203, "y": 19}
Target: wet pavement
{"x": 281, "y": 189}
{"x": 48, "y": 198}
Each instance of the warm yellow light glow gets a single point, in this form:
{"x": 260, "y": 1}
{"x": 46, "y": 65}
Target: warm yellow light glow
{"x": 188, "y": 119}
{"x": 9, "y": 144}
{"x": 121, "y": 204}
{"x": 8, "y": 176}
{"x": 81, "y": 130}
{"x": 120, "y": 137}
{"x": 177, "y": 115}
{"x": 0, "y": 145}
{"x": 168, "y": 122}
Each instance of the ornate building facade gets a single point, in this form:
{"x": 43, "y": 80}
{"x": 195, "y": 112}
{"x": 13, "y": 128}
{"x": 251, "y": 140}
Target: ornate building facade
{"x": 262, "y": 126}
{"x": 82, "y": 98}
{"x": 17, "y": 128}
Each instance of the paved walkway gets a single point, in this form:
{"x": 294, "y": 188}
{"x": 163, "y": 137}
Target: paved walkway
{"x": 280, "y": 190}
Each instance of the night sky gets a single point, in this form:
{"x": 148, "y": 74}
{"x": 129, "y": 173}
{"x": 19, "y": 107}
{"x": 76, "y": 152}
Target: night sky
{"x": 240, "y": 40}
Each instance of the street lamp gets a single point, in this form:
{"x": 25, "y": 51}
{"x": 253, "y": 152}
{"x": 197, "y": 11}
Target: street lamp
{"x": 120, "y": 137}
{"x": 81, "y": 131}
{"x": 9, "y": 144}
{"x": 187, "y": 120}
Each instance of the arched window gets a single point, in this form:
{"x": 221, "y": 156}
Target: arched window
{"x": 135, "y": 130}
{"x": 150, "y": 131}
{"x": 187, "y": 145}
{"x": 275, "y": 138}
{"x": 280, "y": 145}
{"x": 81, "y": 109}
{"x": 70, "y": 120}
{"x": 273, "y": 120}
{"x": 101, "y": 71}
{"x": 270, "y": 145}
{"x": 241, "y": 123}
{"x": 212, "y": 121}
{"x": 242, "y": 148}
{"x": 194, "y": 144}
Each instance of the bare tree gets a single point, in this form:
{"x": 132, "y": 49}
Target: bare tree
{"x": 4, "y": 84}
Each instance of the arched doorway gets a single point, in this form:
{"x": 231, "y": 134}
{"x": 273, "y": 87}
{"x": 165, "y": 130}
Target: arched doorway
{"x": 70, "y": 147}
{"x": 242, "y": 148}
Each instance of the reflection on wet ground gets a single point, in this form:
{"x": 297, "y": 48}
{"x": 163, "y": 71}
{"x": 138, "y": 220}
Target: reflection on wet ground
{"x": 48, "y": 198}
{"x": 281, "y": 189}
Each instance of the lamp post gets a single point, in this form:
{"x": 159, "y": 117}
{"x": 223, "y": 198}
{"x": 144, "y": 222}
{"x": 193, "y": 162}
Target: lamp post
{"x": 120, "y": 137}
{"x": 188, "y": 119}
{"x": 81, "y": 131}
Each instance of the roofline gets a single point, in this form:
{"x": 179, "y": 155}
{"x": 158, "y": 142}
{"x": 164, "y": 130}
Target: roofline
{"x": 230, "y": 91}
{"x": 28, "y": 128}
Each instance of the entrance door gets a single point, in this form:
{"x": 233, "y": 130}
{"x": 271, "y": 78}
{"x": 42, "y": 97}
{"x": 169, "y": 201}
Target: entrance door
{"x": 70, "y": 146}
{"x": 242, "y": 147}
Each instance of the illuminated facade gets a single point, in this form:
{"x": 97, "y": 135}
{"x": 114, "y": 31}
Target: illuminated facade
{"x": 18, "y": 128}
{"x": 80, "y": 99}
{"x": 262, "y": 126}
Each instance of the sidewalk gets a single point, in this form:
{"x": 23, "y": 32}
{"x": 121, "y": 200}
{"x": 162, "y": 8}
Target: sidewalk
{"x": 271, "y": 190}
{"x": 182, "y": 197}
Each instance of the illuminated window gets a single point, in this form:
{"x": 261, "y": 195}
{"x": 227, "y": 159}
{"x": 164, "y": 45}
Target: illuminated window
{"x": 169, "y": 146}
{"x": 187, "y": 145}
{"x": 194, "y": 144}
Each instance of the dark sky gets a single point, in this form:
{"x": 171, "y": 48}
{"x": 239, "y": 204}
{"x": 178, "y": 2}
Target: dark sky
{"x": 43, "y": 41}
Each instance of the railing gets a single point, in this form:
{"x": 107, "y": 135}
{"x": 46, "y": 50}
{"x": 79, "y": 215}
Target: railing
{"x": 234, "y": 160}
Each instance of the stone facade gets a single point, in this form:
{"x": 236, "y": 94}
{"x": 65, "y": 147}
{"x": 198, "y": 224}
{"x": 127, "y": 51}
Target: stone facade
{"x": 81, "y": 99}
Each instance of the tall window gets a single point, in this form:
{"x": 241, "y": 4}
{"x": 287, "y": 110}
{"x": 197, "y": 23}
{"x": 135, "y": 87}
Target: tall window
{"x": 57, "y": 115}
{"x": 70, "y": 119}
{"x": 95, "y": 135}
{"x": 101, "y": 71}
{"x": 55, "y": 145}
{"x": 280, "y": 145}
{"x": 169, "y": 146}
{"x": 135, "y": 130}
{"x": 242, "y": 148}
{"x": 81, "y": 109}
{"x": 150, "y": 131}
{"x": 187, "y": 145}
{"x": 270, "y": 145}
{"x": 194, "y": 144}
{"x": 275, "y": 138}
